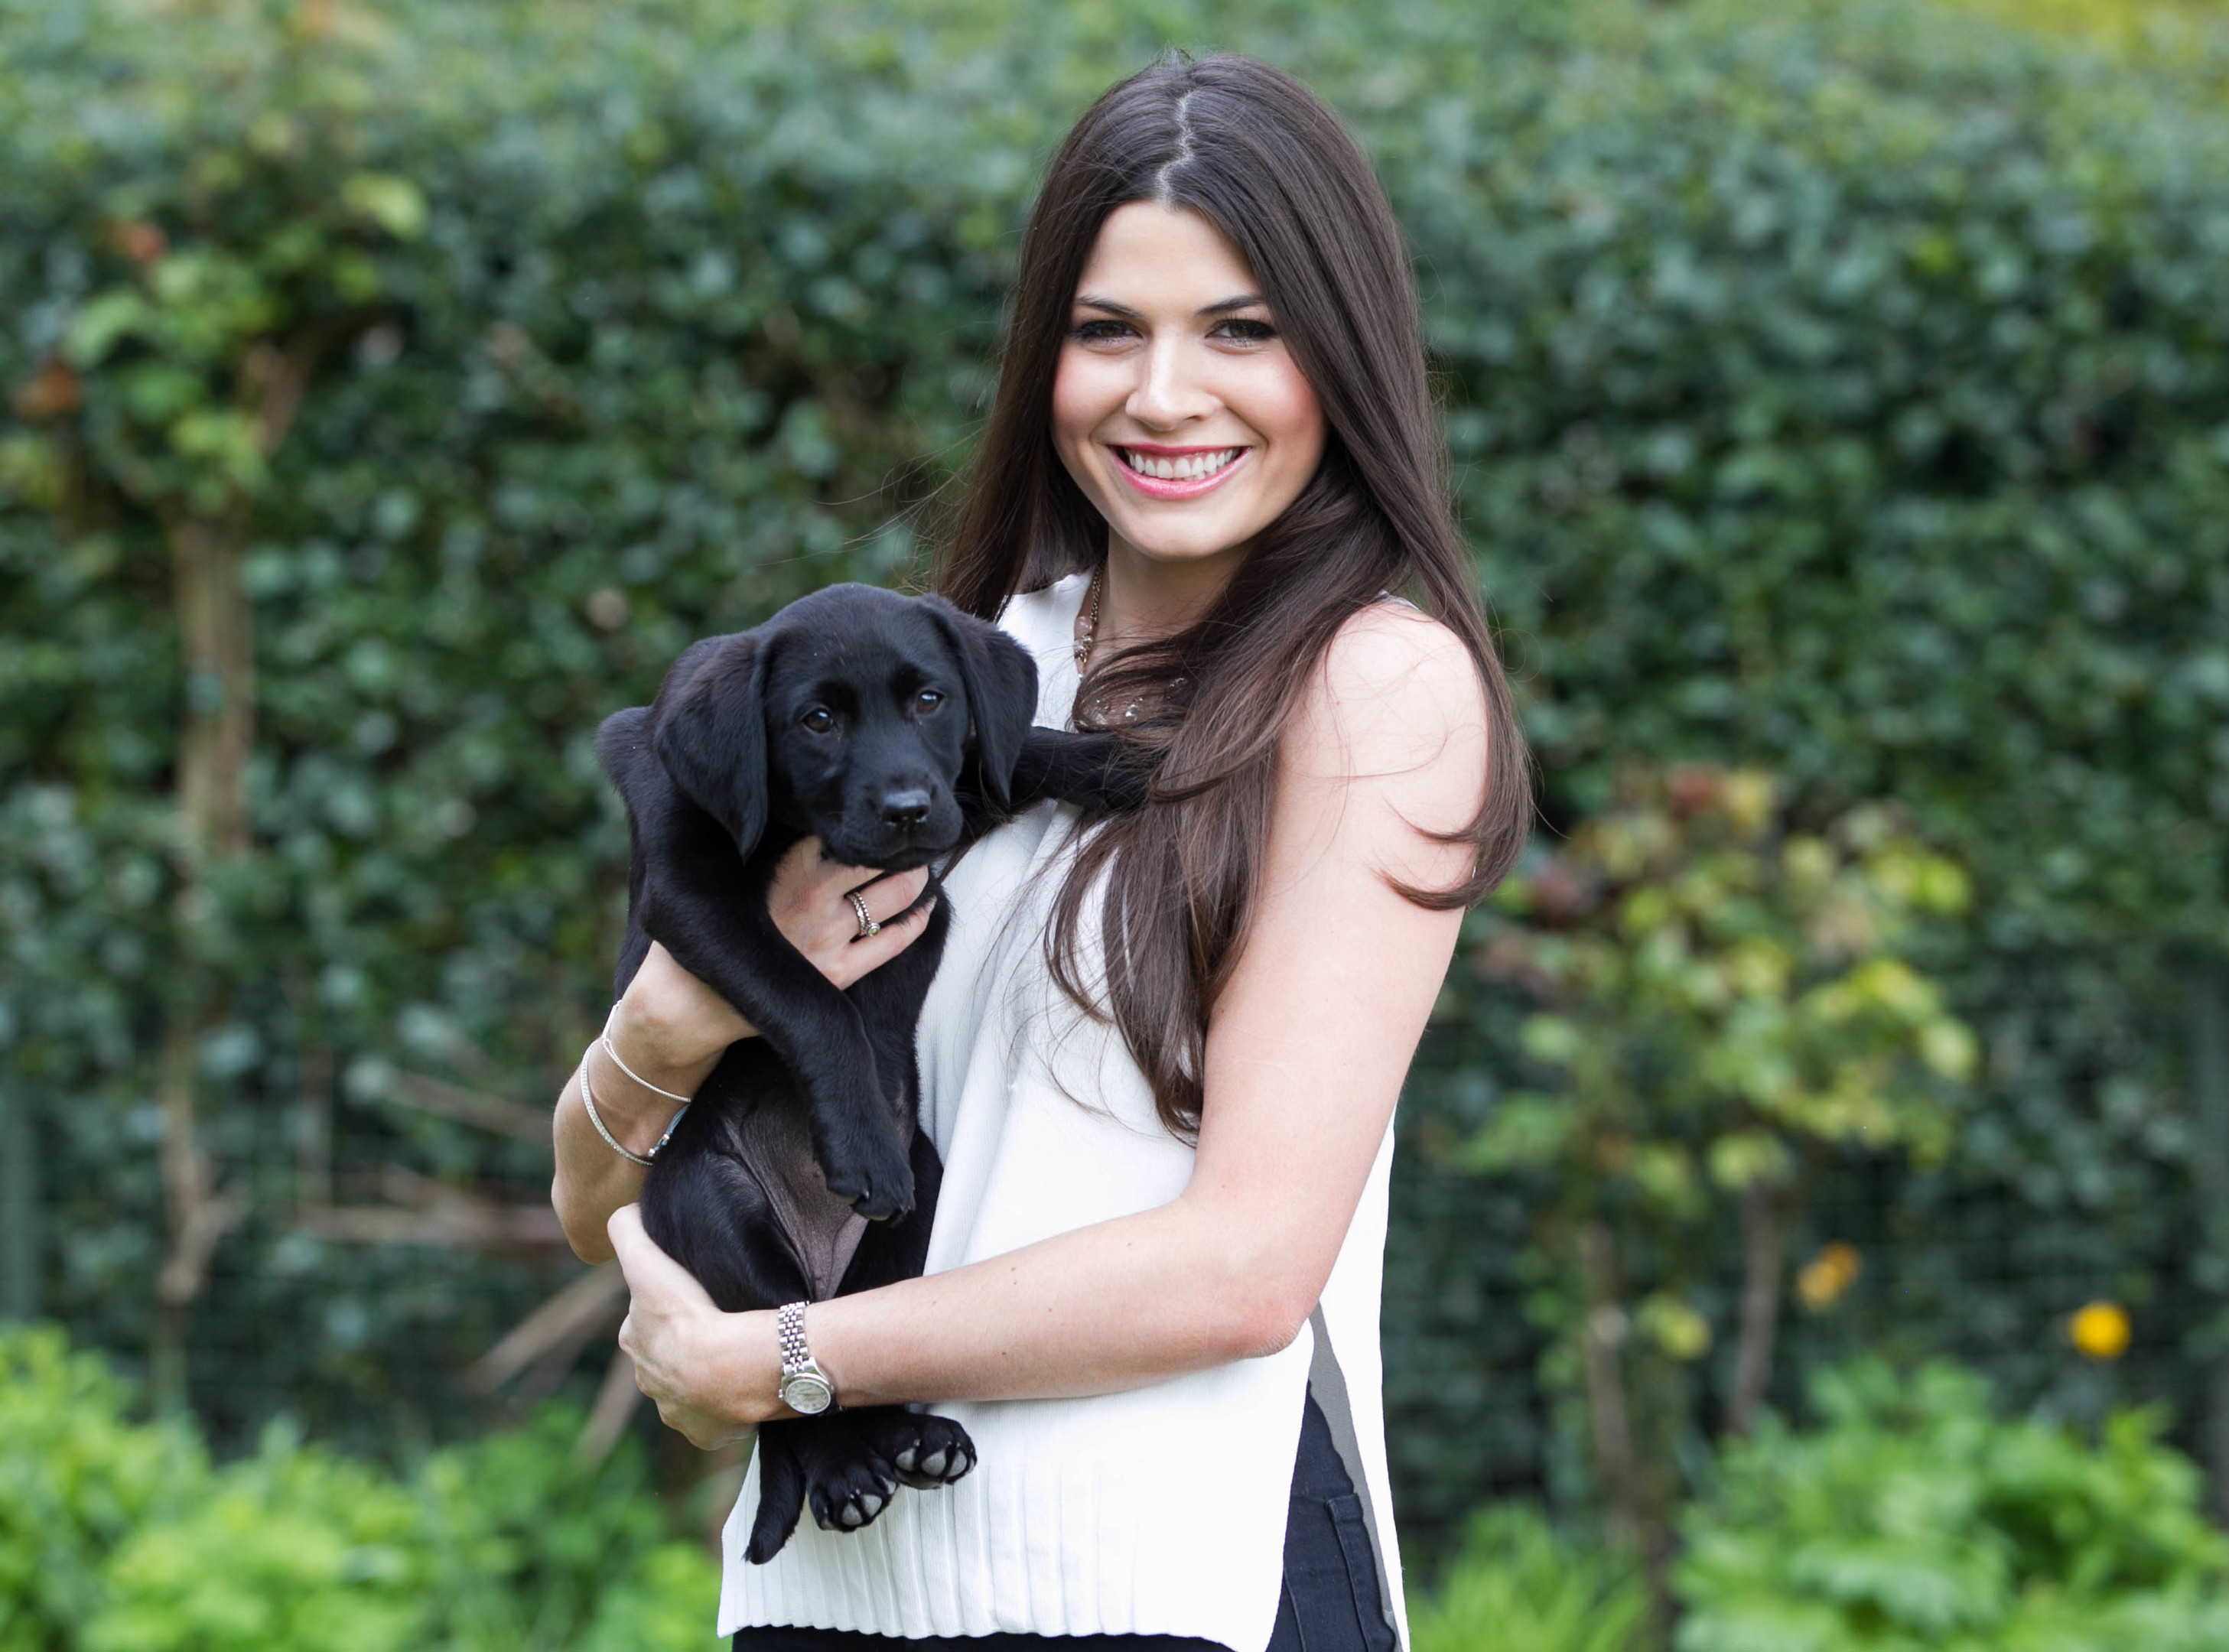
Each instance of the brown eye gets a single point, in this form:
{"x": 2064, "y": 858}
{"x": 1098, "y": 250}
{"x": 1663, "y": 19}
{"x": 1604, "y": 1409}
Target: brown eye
{"x": 819, "y": 719}
{"x": 927, "y": 700}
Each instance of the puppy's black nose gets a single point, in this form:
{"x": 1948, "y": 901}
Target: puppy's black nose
{"x": 905, "y": 810}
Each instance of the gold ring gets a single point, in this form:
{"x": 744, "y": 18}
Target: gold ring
{"x": 868, "y": 928}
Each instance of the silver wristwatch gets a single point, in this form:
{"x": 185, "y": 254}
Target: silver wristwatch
{"x": 805, "y": 1386}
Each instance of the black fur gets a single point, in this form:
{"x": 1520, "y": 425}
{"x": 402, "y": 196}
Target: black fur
{"x": 722, "y": 774}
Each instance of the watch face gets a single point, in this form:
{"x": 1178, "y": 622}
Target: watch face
{"x": 807, "y": 1394}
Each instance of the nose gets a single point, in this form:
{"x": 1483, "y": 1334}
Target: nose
{"x": 1169, "y": 390}
{"x": 906, "y": 811}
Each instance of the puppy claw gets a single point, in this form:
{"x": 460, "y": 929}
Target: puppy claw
{"x": 878, "y": 1200}
{"x": 853, "y": 1497}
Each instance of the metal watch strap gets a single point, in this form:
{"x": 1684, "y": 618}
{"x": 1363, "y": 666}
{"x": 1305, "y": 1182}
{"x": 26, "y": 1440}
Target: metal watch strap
{"x": 805, "y": 1386}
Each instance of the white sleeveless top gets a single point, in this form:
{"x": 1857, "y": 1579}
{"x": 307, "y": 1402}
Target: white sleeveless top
{"x": 1157, "y": 1511}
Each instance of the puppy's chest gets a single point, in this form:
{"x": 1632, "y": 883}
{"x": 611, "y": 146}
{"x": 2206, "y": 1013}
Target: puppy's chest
{"x": 776, "y": 1144}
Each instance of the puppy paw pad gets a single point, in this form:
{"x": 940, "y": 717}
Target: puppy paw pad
{"x": 939, "y": 1453}
{"x": 853, "y": 1497}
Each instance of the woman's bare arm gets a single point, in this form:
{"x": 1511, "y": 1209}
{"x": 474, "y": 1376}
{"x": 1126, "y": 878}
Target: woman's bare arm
{"x": 1305, "y": 1056}
{"x": 671, "y": 1029}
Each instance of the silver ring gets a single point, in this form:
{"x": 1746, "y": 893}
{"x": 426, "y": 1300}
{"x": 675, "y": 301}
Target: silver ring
{"x": 868, "y": 928}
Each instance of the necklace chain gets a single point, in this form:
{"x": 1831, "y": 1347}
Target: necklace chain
{"x": 1083, "y": 643}
{"x": 1088, "y": 639}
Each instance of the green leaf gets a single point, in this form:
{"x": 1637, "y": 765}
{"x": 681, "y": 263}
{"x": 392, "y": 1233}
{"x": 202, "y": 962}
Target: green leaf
{"x": 395, "y": 204}
{"x": 102, "y": 323}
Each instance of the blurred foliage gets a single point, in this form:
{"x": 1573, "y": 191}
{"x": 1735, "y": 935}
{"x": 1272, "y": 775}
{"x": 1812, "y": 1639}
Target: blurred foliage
{"x": 76, "y": 1479}
{"x": 2154, "y": 30}
{"x": 1517, "y": 1585}
{"x": 1726, "y": 1003}
{"x": 1836, "y": 389}
{"x": 1914, "y": 1517}
{"x": 1723, "y": 999}
{"x": 119, "y": 1536}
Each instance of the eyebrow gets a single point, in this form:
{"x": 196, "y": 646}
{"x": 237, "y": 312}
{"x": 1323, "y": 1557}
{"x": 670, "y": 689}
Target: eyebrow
{"x": 1220, "y": 306}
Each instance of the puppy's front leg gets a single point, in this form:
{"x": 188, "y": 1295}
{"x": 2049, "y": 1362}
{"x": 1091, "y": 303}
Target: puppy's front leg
{"x": 710, "y": 913}
{"x": 1101, "y": 772}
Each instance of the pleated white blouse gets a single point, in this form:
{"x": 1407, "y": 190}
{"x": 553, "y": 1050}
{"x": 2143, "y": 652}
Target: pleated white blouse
{"x": 1157, "y": 1511}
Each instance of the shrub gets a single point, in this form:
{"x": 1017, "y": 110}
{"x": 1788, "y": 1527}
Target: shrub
{"x": 117, "y": 1536}
{"x": 1517, "y": 1586}
{"x": 76, "y": 1480}
{"x": 1915, "y": 1517}
{"x": 291, "y": 1551}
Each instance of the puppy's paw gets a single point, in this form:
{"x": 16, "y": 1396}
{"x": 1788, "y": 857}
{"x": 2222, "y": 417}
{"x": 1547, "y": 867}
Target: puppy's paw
{"x": 871, "y": 1174}
{"x": 847, "y": 1496}
{"x": 937, "y": 1453}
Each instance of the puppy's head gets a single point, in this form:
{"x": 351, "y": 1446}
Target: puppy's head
{"x": 856, "y": 716}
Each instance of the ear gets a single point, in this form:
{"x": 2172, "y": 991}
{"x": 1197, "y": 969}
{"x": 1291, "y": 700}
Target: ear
{"x": 1001, "y": 680}
{"x": 707, "y": 729}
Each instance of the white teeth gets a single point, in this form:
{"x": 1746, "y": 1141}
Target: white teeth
{"x": 1189, "y": 467}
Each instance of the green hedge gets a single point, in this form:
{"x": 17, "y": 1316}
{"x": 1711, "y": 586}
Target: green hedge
{"x": 1838, "y": 388}
{"x": 1842, "y": 391}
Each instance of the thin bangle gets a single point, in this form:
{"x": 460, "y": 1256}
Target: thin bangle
{"x": 589, "y": 1100}
{"x": 605, "y": 1039}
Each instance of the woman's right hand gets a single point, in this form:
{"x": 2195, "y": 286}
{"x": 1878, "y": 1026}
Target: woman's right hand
{"x": 674, "y": 1021}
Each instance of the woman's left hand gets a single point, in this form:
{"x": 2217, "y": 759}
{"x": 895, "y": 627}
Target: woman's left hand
{"x": 693, "y": 1360}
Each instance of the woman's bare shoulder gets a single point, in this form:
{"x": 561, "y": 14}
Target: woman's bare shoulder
{"x": 1387, "y": 748}
{"x": 1396, "y": 690}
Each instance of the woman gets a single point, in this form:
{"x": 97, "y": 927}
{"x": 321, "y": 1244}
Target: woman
{"x": 1162, "y": 1052}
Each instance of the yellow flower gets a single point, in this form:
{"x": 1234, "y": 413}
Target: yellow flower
{"x": 2100, "y": 1330}
{"x": 1827, "y": 1275}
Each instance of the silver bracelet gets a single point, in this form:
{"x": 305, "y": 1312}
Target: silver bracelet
{"x": 605, "y": 1039}
{"x": 588, "y": 1101}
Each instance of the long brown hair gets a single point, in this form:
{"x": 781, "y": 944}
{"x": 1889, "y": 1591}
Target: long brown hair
{"x": 1253, "y": 151}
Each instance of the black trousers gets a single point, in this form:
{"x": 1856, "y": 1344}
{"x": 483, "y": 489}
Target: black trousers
{"x": 1331, "y": 1602}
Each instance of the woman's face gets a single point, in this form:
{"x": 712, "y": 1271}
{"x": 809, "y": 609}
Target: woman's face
{"x": 1176, "y": 407}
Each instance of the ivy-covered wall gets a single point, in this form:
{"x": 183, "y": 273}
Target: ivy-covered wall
{"x": 393, "y": 389}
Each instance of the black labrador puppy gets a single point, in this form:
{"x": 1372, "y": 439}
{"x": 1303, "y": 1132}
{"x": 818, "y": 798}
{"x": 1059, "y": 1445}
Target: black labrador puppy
{"x": 895, "y": 729}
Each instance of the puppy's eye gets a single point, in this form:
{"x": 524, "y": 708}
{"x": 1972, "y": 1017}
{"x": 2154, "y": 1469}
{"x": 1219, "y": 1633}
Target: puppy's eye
{"x": 819, "y": 719}
{"x": 927, "y": 700}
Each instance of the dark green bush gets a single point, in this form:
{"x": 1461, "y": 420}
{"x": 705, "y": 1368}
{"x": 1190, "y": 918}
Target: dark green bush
{"x": 1839, "y": 388}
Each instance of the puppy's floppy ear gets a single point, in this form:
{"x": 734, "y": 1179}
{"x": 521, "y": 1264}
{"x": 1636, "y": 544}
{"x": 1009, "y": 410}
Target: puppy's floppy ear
{"x": 1001, "y": 680}
{"x": 707, "y": 730}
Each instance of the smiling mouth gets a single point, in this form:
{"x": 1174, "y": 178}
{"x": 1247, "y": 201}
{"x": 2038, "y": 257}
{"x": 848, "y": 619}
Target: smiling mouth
{"x": 1177, "y": 476}
{"x": 1184, "y": 467}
